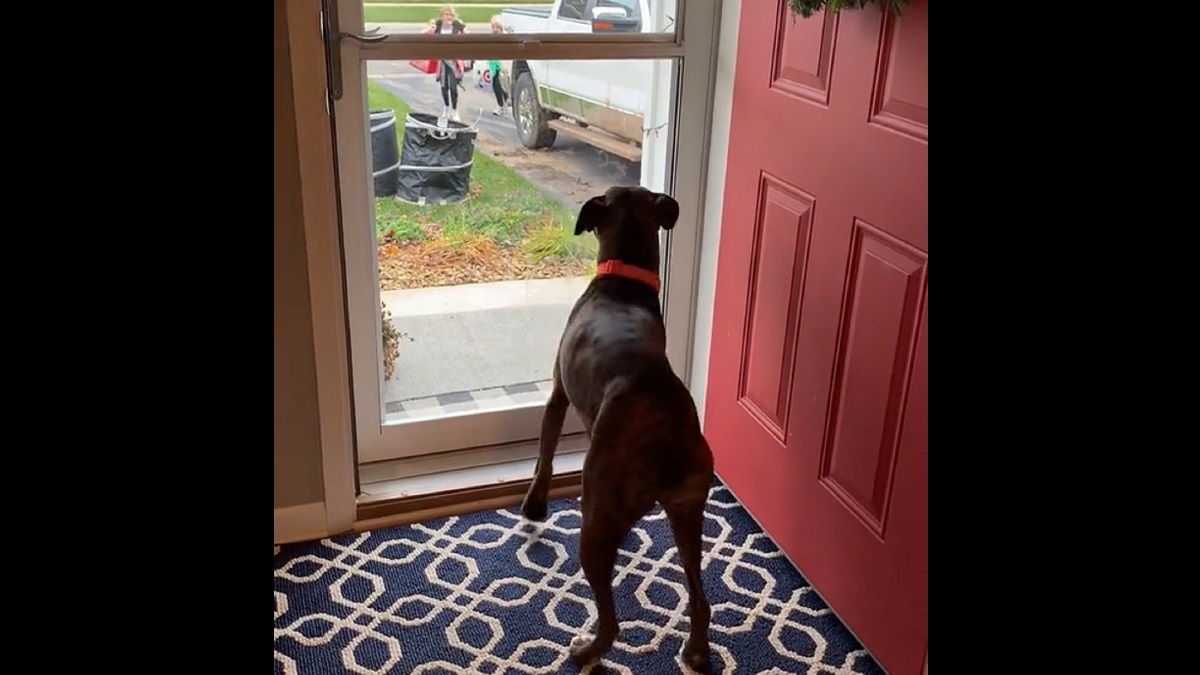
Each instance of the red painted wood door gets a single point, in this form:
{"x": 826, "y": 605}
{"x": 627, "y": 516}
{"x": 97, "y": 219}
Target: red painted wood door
{"x": 817, "y": 397}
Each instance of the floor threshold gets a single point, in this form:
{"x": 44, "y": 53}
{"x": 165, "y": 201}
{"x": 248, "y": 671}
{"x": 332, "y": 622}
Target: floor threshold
{"x": 408, "y": 500}
{"x": 466, "y": 478}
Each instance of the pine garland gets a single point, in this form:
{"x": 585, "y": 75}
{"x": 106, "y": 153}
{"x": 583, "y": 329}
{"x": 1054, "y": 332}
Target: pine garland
{"x": 806, "y": 8}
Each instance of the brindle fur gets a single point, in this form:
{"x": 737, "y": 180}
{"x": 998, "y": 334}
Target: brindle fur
{"x": 646, "y": 445}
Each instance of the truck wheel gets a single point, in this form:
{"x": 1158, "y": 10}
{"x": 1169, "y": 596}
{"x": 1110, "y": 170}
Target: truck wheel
{"x": 529, "y": 116}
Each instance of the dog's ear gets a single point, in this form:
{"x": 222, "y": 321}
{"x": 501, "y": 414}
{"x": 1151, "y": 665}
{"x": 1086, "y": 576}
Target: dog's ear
{"x": 664, "y": 210}
{"x": 591, "y": 214}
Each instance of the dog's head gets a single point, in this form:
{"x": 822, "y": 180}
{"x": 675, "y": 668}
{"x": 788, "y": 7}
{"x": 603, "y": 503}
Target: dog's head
{"x": 626, "y": 221}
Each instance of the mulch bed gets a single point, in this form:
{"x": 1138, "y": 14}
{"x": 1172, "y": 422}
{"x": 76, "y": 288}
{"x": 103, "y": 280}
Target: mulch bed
{"x": 428, "y": 264}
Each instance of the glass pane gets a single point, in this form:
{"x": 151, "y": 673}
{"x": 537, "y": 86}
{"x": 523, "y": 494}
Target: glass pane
{"x": 523, "y": 16}
{"x": 476, "y": 188}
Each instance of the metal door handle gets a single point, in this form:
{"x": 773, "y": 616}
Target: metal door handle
{"x": 372, "y": 35}
{"x": 333, "y": 52}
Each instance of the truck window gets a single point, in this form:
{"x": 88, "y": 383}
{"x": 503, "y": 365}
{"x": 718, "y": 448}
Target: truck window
{"x": 572, "y": 9}
{"x": 631, "y": 7}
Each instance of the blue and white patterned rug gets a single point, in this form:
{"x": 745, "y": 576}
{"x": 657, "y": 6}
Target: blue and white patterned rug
{"x": 492, "y": 594}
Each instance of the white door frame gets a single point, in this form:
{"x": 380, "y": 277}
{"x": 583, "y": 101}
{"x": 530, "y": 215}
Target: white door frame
{"x": 326, "y": 265}
{"x": 377, "y": 441}
{"x": 314, "y": 135}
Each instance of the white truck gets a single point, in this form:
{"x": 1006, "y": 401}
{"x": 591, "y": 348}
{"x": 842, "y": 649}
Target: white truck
{"x": 603, "y": 103}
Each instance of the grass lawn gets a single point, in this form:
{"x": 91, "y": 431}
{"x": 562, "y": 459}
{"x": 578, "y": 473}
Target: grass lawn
{"x": 505, "y": 214}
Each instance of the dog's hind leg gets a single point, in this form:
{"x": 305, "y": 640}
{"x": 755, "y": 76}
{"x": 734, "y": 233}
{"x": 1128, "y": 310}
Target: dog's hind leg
{"x": 553, "y": 415}
{"x": 687, "y": 524}
{"x": 604, "y": 527}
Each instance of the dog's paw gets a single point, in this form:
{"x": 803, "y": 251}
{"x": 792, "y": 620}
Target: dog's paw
{"x": 695, "y": 661}
{"x": 534, "y": 509}
{"x": 583, "y": 651}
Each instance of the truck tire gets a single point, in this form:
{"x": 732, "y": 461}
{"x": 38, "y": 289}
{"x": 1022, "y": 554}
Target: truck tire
{"x": 529, "y": 116}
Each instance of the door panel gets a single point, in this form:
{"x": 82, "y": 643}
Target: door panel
{"x": 879, "y": 318}
{"x": 820, "y": 423}
{"x": 779, "y": 253}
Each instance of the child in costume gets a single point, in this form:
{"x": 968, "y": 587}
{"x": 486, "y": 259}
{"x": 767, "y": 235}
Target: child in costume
{"x": 494, "y": 70}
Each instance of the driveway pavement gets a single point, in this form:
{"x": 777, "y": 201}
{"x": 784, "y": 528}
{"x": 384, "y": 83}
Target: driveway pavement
{"x": 571, "y": 171}
{"x": 476, "y": 344}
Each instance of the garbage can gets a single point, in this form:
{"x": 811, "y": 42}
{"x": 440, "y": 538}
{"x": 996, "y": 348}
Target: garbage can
{"x": 385, "y": 154}
{"x": 435, "y": 161}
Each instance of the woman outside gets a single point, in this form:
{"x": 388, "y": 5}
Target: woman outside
{"x": 494, "y": 68}
{"x": 449, "y": 73}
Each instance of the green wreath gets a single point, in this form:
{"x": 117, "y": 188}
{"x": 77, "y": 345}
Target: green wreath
{"x": 807, "y": 8}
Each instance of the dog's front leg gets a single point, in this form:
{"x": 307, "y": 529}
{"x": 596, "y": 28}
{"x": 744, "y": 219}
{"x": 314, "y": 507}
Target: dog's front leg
{"x": 555, "y": 412}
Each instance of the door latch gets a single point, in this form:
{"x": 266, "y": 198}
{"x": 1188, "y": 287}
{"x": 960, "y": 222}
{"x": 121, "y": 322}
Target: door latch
{"x": 332, "y": 38}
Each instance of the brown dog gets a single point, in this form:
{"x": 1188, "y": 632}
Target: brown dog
{"x": 646, "y": 445}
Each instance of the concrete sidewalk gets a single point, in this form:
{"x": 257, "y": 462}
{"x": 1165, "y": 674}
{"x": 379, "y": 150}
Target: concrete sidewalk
{"x": 477, "y": 337}
{"x": 495, "y": 295}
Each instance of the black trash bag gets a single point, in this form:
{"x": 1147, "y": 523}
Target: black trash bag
{"x": 385, "y": 152}
{"x": 435, "y": 162}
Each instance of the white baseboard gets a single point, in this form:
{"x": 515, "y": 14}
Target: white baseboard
{"x": 300, "y": 523}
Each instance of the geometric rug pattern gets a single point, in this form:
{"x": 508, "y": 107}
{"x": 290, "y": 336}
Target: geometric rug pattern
{"x": 493, "y": 594}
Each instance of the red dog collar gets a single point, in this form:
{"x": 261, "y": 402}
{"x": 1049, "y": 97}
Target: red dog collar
{"x": 616, "y": 268}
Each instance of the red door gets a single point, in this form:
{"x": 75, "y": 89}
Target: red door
{"x": 817, "y": 398}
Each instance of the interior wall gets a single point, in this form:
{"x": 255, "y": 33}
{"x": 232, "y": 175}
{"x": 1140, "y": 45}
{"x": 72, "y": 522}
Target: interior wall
{"x": 298, "y": 468}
